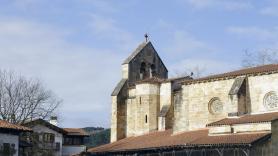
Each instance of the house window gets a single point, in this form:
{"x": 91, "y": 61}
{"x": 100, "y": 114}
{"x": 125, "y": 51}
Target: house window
{"x": 8, "y": 149}
{"x": 73, "y": 141}
{"x": 57, "y": 146}
{"x": 146, "y": 118}
{"x": 48, "y": 137}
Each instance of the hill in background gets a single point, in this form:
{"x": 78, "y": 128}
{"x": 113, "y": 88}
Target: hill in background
{"x": 98, "y": 136}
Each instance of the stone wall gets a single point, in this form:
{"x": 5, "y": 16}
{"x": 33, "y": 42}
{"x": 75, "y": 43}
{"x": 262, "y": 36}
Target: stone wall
{"x": 142, "y": 111}
{"x": 131, "y": 116}
{"x": 252, "y": 127}
{"x": 118, "y": 115}
{"x": 259, "y": 86}
{"x": 125, "y": 71}
{"x": 113, "y": 135}
{"x": 193, "y": 113}
{"x": 239, "y": 128}
{"x": 165, "y": 121}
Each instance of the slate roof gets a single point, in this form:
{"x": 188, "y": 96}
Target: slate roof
{"x": 45, "y": 123}
{"x": 165, "y": 139}
{"x": 264, "y": 69}
{"x": 253, "y": 118}
{"x": 135, "y": 52}
{"x": 164, "y": 111}
{"x": 75, "y": 132}
{"x": 118, "y": 88}
{"x": 237, "y": 85}
{"x": 9, "y": 126}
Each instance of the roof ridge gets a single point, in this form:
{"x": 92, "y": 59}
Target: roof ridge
{"x": 234, "y": 73}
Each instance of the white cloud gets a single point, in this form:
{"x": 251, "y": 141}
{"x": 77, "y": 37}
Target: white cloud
{"x": 270, "y": 9}
{"x": 253, "y": 32}
{"x": 84, "y": 77}
{"x": 108, "y": 28}
{"x": 183, "y": 44}
{"x": 220, "y": 4}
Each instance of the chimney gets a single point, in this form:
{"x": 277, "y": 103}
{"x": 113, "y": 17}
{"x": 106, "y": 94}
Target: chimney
{"x": 53, "y": 120}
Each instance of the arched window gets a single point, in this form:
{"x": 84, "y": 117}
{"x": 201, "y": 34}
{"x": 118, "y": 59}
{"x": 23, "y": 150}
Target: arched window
{"x": 215, "y": 106}
{"x": 146, "y": 118}
{"x": 142, "y": 70}
{"x": 271, "y": 101}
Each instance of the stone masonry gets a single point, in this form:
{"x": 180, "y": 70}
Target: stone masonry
{"x": 145, "y": 100}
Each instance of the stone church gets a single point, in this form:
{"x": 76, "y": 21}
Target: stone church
{"x": 229, "y": 114}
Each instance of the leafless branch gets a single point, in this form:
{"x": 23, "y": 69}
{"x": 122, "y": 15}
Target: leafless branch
{"x": 262, "y": 57}
{"x": 23, "y": 99}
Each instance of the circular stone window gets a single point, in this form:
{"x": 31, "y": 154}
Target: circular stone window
{"x": 215, "y": 106}
{"x": 271, "y": 101}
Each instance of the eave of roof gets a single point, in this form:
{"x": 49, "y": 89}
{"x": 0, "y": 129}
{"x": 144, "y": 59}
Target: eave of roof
{"x": 119, "y": 87}
{"x": 9, "y": 126}
{"x": 189, "y": 139}
{"x": 136, "y": 52}
{"x": 75, "y": 132}
{"x": 250, "y": 118}
{"x": 153, "y": 80}
{"x": 45, "y": 123}
{"x": 253, "y": 71}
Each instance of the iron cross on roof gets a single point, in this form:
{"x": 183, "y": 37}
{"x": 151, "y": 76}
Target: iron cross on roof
{"x": 146, "y": 37}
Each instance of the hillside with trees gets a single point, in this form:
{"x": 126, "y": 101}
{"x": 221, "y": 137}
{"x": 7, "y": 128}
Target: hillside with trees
{"x": 98, "y": 136}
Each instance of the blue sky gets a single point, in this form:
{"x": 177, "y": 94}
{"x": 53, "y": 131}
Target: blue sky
{"x": 77, "y": 46}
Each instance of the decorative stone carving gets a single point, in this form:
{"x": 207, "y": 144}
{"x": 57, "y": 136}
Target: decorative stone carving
{"x": 271, "y": 101}
{"x": 215, "y": 106}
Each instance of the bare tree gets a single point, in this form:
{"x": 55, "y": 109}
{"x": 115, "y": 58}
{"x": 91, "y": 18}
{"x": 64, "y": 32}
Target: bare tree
{"x": 262, "y": 57}
{"x": 23, "y": 99}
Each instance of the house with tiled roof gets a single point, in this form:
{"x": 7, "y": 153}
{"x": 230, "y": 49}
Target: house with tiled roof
{"x": 9, "y": 138}
{"x": 74, "y": 141}
{"x": 47, "y": 138}
{"x": 229, "y": 114}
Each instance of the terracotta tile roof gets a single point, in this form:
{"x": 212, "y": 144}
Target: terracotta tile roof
{"x": 247, "y": 71}
{"x": 188, "y": 139}
{"x": 75, "y": 132}
{"x": 253, "y": 118}
{"x": 235, "y": 138}
{"x": 9, "y": 126}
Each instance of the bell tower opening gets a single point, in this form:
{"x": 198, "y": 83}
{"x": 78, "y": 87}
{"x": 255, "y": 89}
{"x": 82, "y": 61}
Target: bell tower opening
{"x": 142, "y": 70}
{"x": 152, "y": 71}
